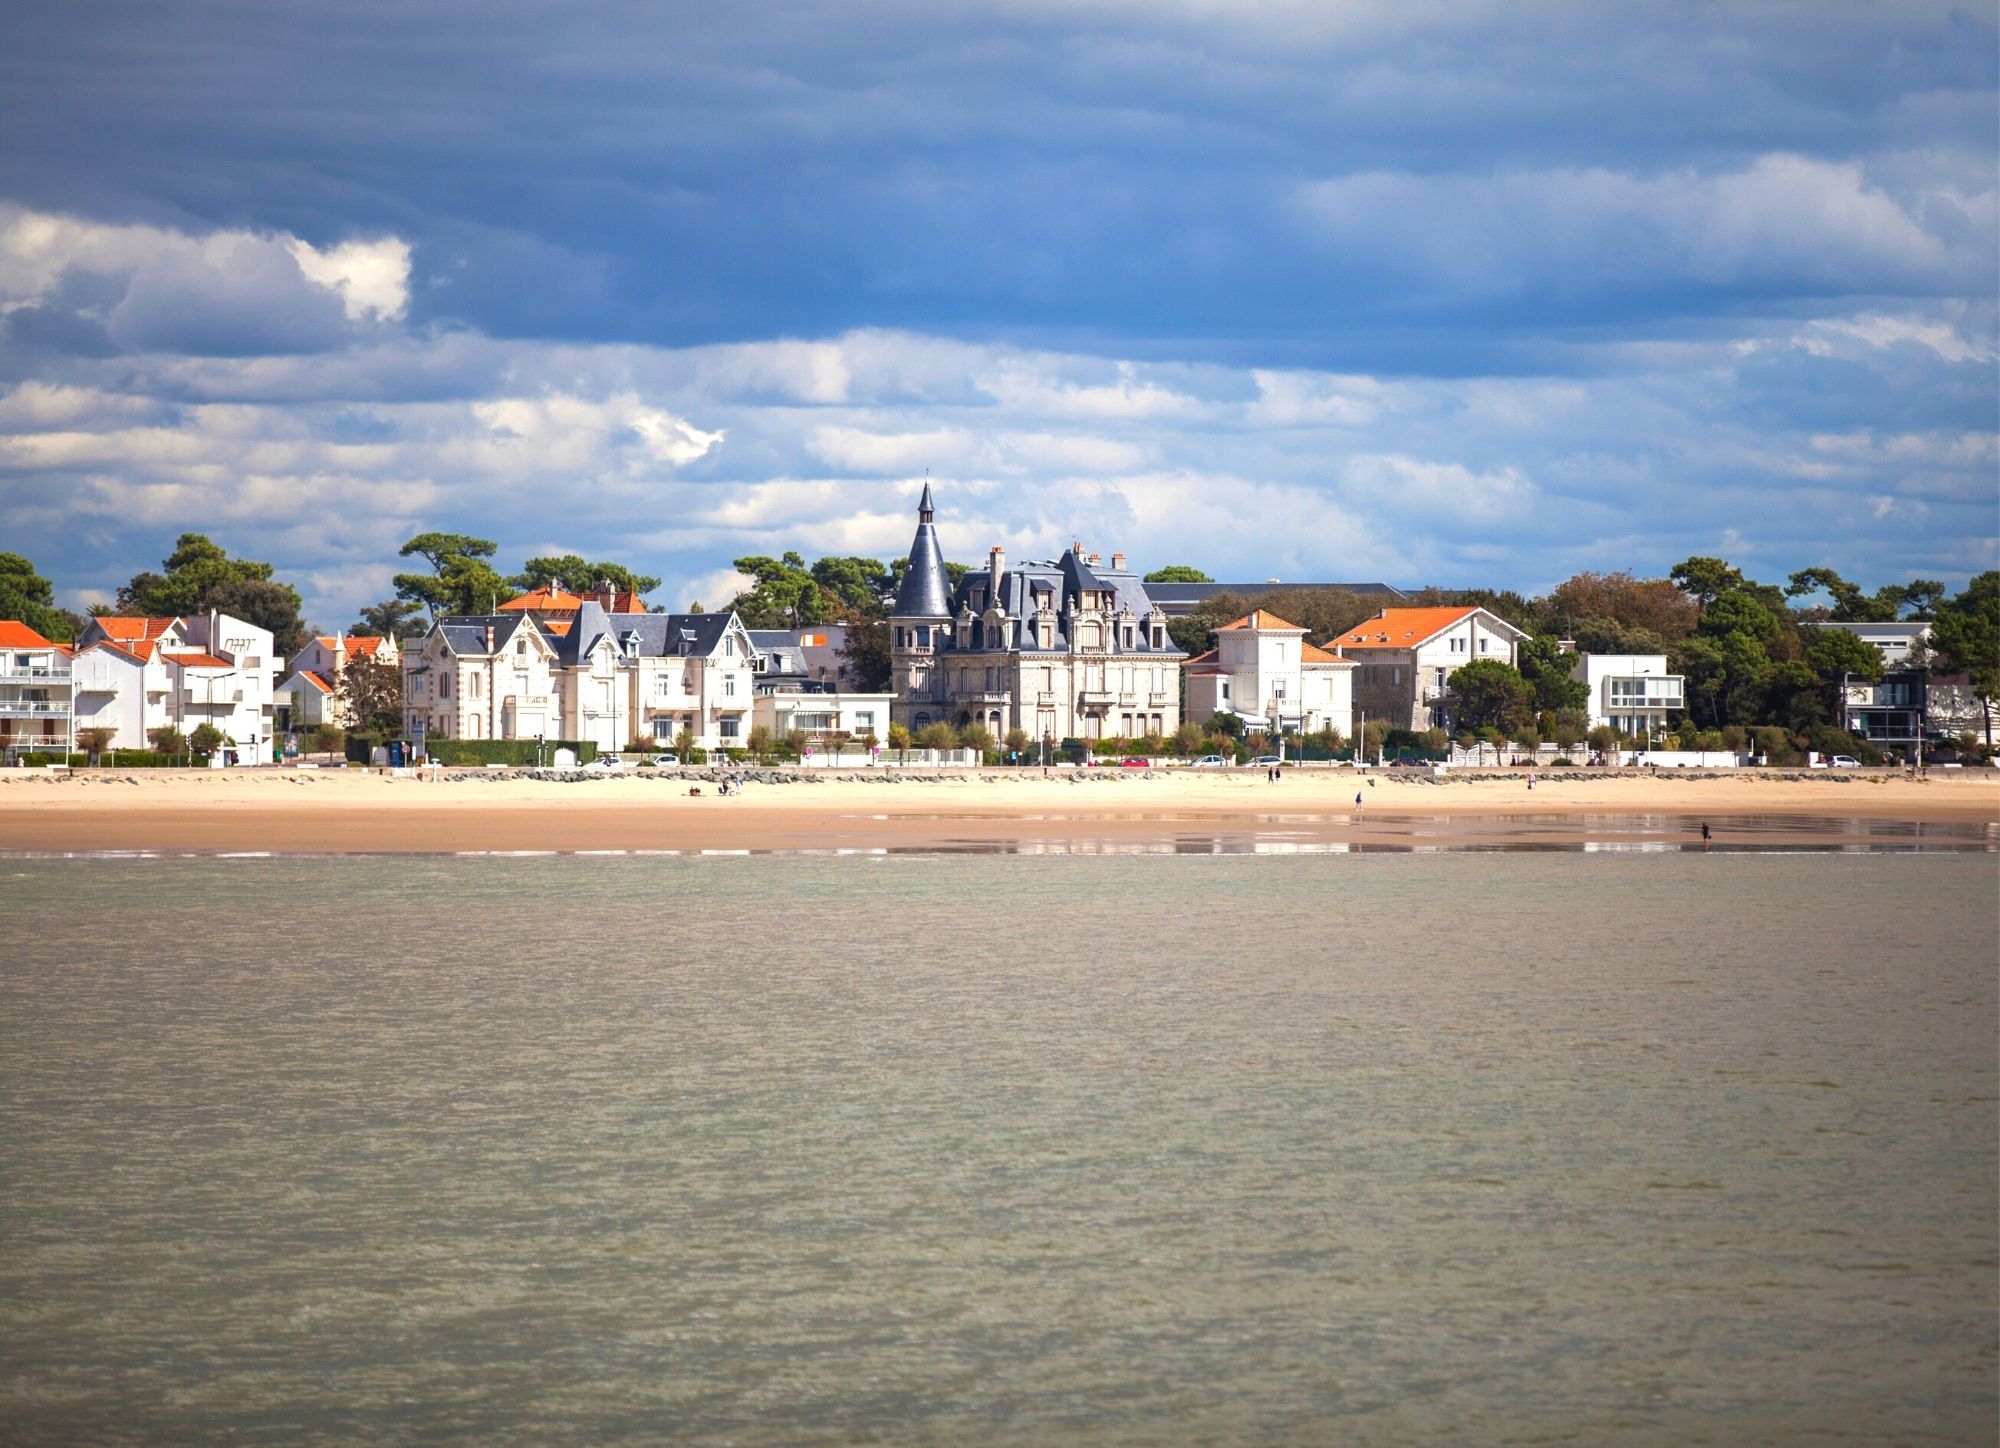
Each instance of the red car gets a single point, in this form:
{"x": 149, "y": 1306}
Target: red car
{"x": 1137, "y": 764}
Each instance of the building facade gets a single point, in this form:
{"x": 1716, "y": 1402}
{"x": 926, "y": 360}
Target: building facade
{"x": 135, "y": 675}
{"x": 1633, "y": 693}
{"x": 1263, "y": 671}
{"x": 311, "y": 693}
{"x": 36, "y": 712}
{"x": 1063, "y": 649}
{"x": 1405, "y": 658}
{"x": 797, "y": 690}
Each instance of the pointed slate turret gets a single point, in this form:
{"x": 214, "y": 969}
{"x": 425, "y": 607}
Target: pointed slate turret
{"x": 925, "y": 592}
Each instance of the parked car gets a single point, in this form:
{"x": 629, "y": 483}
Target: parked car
{"x": 1265, "y": 761}
{"x": 1208, "y": 761}
{"x": 1844, "y": 761}
{"x": 1137, "y": 764}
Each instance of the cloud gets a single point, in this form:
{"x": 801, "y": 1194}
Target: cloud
{"x": 372, "y": 277}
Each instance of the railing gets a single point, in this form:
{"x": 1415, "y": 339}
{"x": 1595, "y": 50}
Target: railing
{"x": 33, "y": 709}
{"x": 1158, "y": 700}
{"x": 34, "y": 671}
{"x": 1047, "y": 700}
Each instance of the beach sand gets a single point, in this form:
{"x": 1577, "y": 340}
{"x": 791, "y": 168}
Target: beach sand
{"x": 352, "y": 811}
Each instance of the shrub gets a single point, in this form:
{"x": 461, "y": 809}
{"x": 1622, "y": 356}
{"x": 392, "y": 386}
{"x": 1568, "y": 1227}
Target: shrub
{"x": 206, "y": 739}
{"x": 168, "y": 740}
{"x": 976, "y": 736}
{"x": 937, "y": 736}
{"x": 328, "y": 739}
{"x": 517, "y": 752}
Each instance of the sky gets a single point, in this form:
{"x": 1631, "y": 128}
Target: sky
{"x": 1469, "y": 294}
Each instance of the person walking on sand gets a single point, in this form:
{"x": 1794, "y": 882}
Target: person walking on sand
{"x": 1704, "y": 837}
{"x": 1357, "y": 797}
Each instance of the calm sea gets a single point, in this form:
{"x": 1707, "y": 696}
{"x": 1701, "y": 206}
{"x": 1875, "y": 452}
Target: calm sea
{"x": 1563, "y": 1148}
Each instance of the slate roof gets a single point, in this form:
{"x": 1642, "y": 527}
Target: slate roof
{"x": 925, "y": 590}
{"x": 1063, "y": 579}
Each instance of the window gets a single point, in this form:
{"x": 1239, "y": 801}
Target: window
{"x": 663, "y": 728}
{"x": 864, "y": 719}
{"x": 1485, "y": 644}
{"x": 729, "y": 686}
{"x": 923, "y": 635}
{"x": 729, "y": 727}
{"x": 520, "y": 646}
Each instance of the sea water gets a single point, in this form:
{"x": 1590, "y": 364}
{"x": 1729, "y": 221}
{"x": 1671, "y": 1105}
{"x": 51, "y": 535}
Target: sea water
{"x": 959, "y": 1149}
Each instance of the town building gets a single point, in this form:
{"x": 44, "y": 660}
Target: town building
{"x": 794, "y": 692}
{"x": 1405, "y": 658}
{"x": 133, "y": 675}
{"x": 596, "y": 677}
{"x": 1633, "y": 693}
{"x": 311, "y": 693}
{"x": 1916, "y": 700}
{"x": 1264, "y": 672}
{"x": 35, "y": 699}
{"x": 1062, "y": 649}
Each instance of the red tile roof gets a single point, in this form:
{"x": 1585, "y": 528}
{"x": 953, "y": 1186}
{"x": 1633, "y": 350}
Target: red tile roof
{"x": 16, "y": 635}
{"x": 198, "y": 661}
{"x": 140, "y": 649}
{"x": 543, "y": 600}
{"x": 1261, "y": 618}
{"x": 318, "y": 681}
{"x": 1402, "y": 628}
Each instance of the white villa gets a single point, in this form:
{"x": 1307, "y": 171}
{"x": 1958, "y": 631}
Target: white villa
{"x": 582, "y": 675}
{"x": 133, "y": 675}
{"x": 1406, "y": 657}
{"x": 1263, "y": 671}
{"x": 310, "y": 692}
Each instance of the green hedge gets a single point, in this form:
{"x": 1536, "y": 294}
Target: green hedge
{"x": 518, "y": 752}
{"x": 111, "y": 759}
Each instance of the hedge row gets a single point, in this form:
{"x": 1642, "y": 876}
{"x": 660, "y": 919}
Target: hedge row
{"x": 110, "y": 759}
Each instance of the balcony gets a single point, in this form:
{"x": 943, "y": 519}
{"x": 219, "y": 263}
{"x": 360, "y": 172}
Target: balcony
{"x": 31, "y": 673}
{"x": 1159, "y": 700}
{"x": 1096, "y": 698}
{"x": 987, "y": 696}
{"x": 34, "y": 709}
{"x": 1046, "y": 700}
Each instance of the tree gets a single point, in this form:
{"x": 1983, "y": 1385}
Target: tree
{"x": 201, "y": 576}
{"x": 392, "y": 618}
{"x": 328, "y": 738}
{"x": 865, "y": 651}
{"x": 1188, "y": 738}
{"x": 760, "y": 739}
{"x": 371, "y": 696}
{"x": 1966, "y": 636}
{"x": 95, "y": 741}
{"x": 1613, "y": 607}
{"x": 684, "y": 745}
{"x": 1487, "y": 694}
{"x": 1017, "y": 741}
{"x": 167, "y": 740}
{"x": 1178, "y": 573}
{"x": 864, "y": 586}
{"x": 569, "y": 572}
{"x": 30, "y": 598}
{"x": 206, "y": 739}
{"x": 1835, "y": 653}
{"x": 461, "y": 581}
{"x": 783, "y": 595}
{"x": 899, "y": 740}
{"x": 937, "y": 736}
{"x": 1546, "y": 667}
{"x": 976, "y": 736}
{"x": 1705, "y": 579}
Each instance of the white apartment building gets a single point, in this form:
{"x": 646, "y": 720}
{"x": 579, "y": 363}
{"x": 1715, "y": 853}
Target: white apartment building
{"x": 134, "y": 675}
{"x": 35, "y": 704}
{"x": 1263, "y": 671}
{"x": 1405, "y": 658}
{"x": 1633, "y": 693}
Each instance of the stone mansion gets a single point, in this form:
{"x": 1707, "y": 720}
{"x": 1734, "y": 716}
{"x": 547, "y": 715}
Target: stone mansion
{"x": 1065, "y": 649}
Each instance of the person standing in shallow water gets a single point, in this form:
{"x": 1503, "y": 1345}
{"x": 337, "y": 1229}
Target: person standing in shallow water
{"x": 1704, "y": 836}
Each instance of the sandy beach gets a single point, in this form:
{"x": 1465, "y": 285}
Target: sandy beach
{"x": 349, "y": 811}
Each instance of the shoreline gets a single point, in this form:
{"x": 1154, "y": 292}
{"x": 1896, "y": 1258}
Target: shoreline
{"x": 314, "y": 812}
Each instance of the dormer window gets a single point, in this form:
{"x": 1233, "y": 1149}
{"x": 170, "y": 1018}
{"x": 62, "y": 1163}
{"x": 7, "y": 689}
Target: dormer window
{"x": 631, "y": 644}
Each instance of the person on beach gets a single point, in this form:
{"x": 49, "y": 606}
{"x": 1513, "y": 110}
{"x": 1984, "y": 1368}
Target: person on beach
{"x": 1357, "y": 797}
{"x": 1704, "y": 836}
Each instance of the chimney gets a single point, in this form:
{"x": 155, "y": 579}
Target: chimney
{"x": 489, "y": 638}
{"x": 1118, "y": 560}
{"x": 1077, "y": 548}
{"x": 1565, "y": 646}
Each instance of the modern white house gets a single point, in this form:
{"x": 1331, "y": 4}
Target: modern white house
{"x": 1915, "y": 700}
{"x": 134, "y": 675}
{"x": 795, "y": 692}
{"x": 1633, "y": 693}
{"x": 1405, "y": 658}
{"x": 35, "y": 700}
{"x": 1264, "y": 672}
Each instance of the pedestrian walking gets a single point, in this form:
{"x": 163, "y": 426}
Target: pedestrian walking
{"x": 1704, "y": 837}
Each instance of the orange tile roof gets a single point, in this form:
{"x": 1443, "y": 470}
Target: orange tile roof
{"x": 543, "y": 600}
{"x": 16, "y": 635}
{"x": 198, "y": 661}
{"x": 1261, "y": 618}
{"x": 318, "y": 681}
{"x": 126, "y": 626}
{"x": 1314, "y": 654}
{"x": 560, "y": 627}
{"x": 137, "y": 649}
{"x": 356, "y": 643}
{"x": 1401, "y": 628}
{"x": 1207, "y": 658}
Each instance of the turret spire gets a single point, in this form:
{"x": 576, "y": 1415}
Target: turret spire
{"x": 925, "y": 591}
